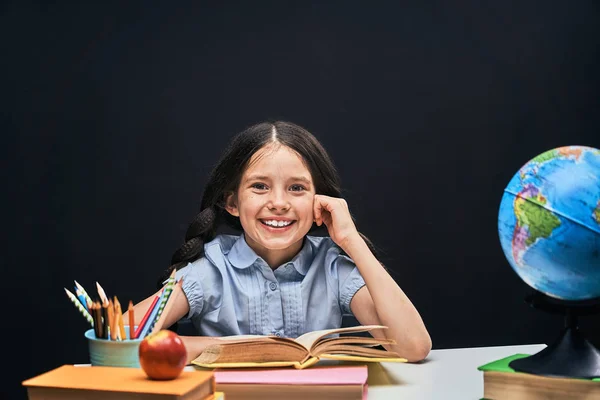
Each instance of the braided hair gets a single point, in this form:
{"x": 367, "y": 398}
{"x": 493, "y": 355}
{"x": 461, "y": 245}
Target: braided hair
{"x": 227, "y": 174}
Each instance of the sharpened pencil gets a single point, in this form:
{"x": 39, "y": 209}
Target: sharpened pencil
{"x": 131, "y": 320}
{"x": 103, "y": 297}
{"x": 81, "y": 298}
{"x": 166, "y": 294}
{"x": 85, "y": 294}
{"x": 170, "y": 301}
{"x": 98, "y": 313}
{"x": 144, "y": 320}
{"x": 105, "y": 321}
{"x": 120, "y": 325}
{"x": 80, "y": 307}
{"x": 111, "y": 320}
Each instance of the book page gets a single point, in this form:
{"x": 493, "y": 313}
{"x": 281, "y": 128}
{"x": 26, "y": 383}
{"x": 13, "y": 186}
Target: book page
{"x": 242, "y": 338}
{"x": 269, "y": 349}
{"x": 324, "y": 345}
{"x": 309, "y": 339}
{"x": 354, "y": 350}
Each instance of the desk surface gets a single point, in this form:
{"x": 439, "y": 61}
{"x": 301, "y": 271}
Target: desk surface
{"x": 445, "y": 374}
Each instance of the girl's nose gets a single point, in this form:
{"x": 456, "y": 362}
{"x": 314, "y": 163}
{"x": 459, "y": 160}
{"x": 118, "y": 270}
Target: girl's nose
{"x": 278, "y": 200}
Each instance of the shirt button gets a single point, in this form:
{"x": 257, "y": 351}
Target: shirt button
{"x": 273, "y": 285}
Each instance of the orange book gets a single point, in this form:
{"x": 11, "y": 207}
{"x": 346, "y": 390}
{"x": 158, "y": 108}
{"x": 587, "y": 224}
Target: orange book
{"x": 98, "y": 383}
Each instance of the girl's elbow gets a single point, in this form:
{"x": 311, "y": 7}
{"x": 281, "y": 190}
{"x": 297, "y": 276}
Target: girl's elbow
{"x": 420, "y": 349}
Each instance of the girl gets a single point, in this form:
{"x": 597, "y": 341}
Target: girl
{"x": 276, "y": 183}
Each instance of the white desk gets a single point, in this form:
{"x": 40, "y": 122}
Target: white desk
{"x": 449, "y": 374}
{"x": 445, "y": 374}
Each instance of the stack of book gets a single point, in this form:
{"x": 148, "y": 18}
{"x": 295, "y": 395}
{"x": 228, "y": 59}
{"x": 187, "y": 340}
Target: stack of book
{"x": 501, "y": 382}
{"x": 71, "y": 382}
{"x": 258, "y": 367}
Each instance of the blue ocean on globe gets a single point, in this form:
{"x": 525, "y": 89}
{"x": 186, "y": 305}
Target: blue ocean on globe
{"x": 549, "y": 223}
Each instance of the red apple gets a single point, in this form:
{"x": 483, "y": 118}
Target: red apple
{"x": 162, "y": 355}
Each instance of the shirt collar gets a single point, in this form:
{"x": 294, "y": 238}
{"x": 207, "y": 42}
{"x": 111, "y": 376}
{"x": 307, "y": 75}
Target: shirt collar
{"x": 242, "y": 256}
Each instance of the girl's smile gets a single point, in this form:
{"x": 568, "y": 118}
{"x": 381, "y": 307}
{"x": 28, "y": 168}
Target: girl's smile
{"x": 277, "y": 224}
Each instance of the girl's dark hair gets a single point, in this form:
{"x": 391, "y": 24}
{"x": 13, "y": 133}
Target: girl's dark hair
{"x": 226, "y": 176}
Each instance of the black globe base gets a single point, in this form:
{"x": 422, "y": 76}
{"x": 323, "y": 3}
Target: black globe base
{"x": 571, "y": 355}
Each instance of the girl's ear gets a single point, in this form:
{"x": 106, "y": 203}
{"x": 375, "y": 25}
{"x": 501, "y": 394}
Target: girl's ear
{"x": 231, "y": 205}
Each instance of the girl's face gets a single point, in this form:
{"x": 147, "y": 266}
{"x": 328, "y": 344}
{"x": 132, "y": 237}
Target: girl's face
{"x": 274, "y": 202}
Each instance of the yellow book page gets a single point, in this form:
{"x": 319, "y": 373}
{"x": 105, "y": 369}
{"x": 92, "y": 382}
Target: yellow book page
{"x": 267, "y": 364}
{"x": 271, "y": 364}
{"x": 361, "y": 359}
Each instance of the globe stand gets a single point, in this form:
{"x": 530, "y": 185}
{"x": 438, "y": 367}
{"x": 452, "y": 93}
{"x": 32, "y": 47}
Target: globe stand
{"x": 571, "y": 355}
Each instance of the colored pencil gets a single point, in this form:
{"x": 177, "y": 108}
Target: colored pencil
{"x": 87, "y": 297}
{"x": 146, "y": 316}
{"x": 93, "y": 313}
{"x": 101, "y": 293}
{"x": 170, "y": 301}
{"x": 111, "y": 320}
{"x": 98, "y": 312}
{"x": 131, "y": 320}
{"x": 168, "y": 289}
{"x": 120, "y": 324}
{"x": 153, "y": 314}
{"x": 80, "y": 307}
{"x": 105, "y": 320}
{"x": 81, "y": 298}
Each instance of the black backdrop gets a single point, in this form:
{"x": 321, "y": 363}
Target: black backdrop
{"x": 114, "y": 114}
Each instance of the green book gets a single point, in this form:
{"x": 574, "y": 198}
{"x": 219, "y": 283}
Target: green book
{"x": 501, "y": 365}
{"x": 531, "y": 386}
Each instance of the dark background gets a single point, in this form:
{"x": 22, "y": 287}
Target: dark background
{"x": 113, "y": 116}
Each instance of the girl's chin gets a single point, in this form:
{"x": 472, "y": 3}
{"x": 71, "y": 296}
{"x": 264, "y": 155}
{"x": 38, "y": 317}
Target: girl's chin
{"x": 278, "y": 243}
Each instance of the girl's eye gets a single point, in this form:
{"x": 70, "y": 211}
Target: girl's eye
{"x": 259, "y": 186}
{"x": 297, "y": 188}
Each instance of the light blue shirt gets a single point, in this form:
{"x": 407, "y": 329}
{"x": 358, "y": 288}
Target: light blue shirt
{"x": 233, "y": 291}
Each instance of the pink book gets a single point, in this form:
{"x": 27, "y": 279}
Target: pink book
{"x": 333, "y": 375}
{"x": 309, "y": 376}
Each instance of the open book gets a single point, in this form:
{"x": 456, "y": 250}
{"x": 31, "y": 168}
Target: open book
{"x": 302, "y": 352}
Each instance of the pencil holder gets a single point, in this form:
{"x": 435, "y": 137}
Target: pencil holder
{"x": 113, "y": 353}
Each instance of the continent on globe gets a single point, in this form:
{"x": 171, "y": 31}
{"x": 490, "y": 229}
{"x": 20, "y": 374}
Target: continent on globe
{"x": 533, "y": 220}
{"x": 597, "y": 213}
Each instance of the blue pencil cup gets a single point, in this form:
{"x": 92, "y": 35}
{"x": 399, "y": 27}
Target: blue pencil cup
{"x": 113, "y": 353}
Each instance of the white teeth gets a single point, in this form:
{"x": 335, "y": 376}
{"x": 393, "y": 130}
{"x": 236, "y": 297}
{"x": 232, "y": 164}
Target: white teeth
{"x": 277, "y": 223}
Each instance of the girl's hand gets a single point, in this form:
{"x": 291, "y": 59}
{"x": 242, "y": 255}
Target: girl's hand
{"x": 334, "y": 213}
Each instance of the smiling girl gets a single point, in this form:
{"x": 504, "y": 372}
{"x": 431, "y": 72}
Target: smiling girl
{"x": 276, "y": 184}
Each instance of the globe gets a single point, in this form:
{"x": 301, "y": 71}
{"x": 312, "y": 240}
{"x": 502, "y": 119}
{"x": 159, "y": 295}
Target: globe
{"x": 549, "y": 223}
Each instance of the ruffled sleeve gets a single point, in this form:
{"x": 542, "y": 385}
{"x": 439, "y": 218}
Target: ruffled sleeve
{"x": 349, "y": 280}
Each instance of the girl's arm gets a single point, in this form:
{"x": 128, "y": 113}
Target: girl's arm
{"x": 381, "y": 302}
